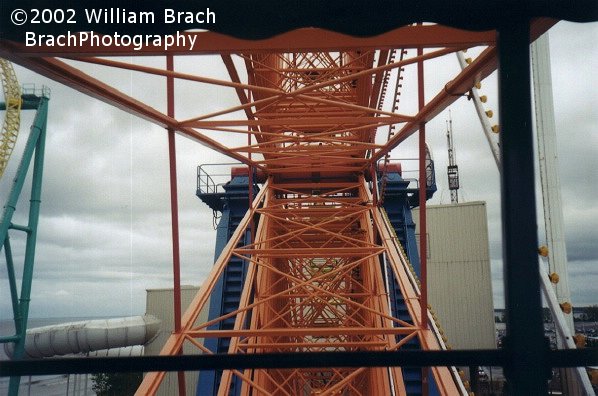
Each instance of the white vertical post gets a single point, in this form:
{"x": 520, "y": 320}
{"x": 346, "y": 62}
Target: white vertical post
{"x": 563, "y": 332}
{"x": 479, "y": 108}
{"x": 549, "y": 174}
{"x": 551, "y": 189}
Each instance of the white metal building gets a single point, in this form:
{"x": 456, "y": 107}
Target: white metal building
{"x": 159, "y": 302}
{"x": 459, "y": 277}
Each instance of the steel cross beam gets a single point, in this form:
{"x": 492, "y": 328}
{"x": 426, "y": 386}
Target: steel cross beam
{"x": 314, "y": 284}
{"x": 481, "y": 357}
{"x": 34, "y": 151}
{"x": 74, "y": 78}
{"x": 314, "y": 263}
{"x": 69, "y": 75}
{"x": 479, "y": 69}
{"x": 278, "y": 271}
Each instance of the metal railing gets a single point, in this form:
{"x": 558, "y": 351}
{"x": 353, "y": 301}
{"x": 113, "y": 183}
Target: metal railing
{"x": 211, "y": 178}
{"x": 33, "y": 89}
{"x": 406, "y": 174}
{"x": 205, "y": 183}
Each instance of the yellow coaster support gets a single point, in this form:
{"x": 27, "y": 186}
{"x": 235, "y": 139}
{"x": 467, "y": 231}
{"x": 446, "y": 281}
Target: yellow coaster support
{"x": 12, "y": 118}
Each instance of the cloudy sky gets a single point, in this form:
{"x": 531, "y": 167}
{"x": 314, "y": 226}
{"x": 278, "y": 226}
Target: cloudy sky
{"x": 104, "y": 233}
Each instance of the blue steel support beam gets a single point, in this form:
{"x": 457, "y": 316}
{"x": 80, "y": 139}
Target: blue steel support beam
{"x": 525, "y": 344}
{"x": 18, "y": 182}
{"x": 12, "y": 281}
{"x": 398, "y": 201}
{"x": 34, "y": 206}
{"x": 34, "y": 149}
{"x": 227, "y": 291}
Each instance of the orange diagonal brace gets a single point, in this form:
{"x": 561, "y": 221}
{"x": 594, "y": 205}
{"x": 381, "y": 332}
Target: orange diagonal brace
{"x": 152, "y": 381}
{"x": 428, "y": 340}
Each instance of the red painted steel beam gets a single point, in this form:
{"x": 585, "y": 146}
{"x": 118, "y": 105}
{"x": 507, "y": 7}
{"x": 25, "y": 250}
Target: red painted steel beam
{"x": 422, "y": 196}
{"x": 422, "y": 214}
{"x": 152, "y": 381}
{"x": 301, "y": 332}
{"x": 479, "y": 69}
{"x": 234, "y": 77}
{"x": 313, "y": 120}
{"x": 173, "y": 200}
{"x": 174, "y": 214}
{"x": 300, "y": 40}
{"x": 68, "y": 75}
{"x": 310, "y": 253}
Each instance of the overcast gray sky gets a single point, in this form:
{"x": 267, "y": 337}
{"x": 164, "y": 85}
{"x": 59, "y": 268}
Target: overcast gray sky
{"x": 104, "y": 233}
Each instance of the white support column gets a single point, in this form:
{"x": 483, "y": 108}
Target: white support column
{"x": 574, "y": 380}
{"x": 551, "y": 197}
{"x": 479, "y": 108}
{"x": 549, "y": 173}
{"x": 563, "y": 331}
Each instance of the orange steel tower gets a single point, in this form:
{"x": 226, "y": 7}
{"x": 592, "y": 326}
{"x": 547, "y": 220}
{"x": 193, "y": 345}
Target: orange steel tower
{"x": 315, "y": 280}
{"x": 311, "y": 102}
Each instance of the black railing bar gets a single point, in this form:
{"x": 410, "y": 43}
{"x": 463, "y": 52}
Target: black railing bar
{"x": 489, "y": 357}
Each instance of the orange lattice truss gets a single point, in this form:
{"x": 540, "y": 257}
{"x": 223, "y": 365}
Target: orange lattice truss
{"x": 311, "y": 102}
{"x": 315, "y": 280}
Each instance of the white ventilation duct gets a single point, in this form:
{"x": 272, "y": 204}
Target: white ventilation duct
{"x": 88, "y": 336}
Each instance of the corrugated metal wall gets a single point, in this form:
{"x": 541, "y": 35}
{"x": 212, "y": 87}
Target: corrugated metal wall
{"x": 459, "y": 276}
{"x": 159, "y": 302}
